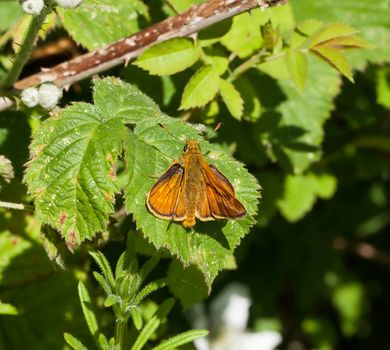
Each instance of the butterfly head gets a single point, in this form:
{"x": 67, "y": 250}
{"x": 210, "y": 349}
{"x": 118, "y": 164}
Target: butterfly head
{"x": 191, "y": 146}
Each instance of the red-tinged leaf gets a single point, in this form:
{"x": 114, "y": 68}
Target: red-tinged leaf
{"x": 335, "y": 58}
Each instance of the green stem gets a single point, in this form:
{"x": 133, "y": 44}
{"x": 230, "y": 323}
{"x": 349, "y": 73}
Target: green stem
{"x": 261, "y": 57}
{"x": 121, "y": 334}
{"x": 25, "y": 49}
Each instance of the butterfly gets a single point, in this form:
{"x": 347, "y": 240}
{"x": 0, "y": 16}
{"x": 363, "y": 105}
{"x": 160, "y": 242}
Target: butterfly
{"x": 191, "y": 188}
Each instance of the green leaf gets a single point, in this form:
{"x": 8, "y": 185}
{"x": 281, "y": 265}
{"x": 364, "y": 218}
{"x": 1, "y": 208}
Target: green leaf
{"x": 72, "y": 172}
{"x": 148, "y": 267}
{"x": 136, "y": 315}
{"x": 275, "y": 68}
{"x": 297, "y": 67}
{"x": 74, "y": 342}
{"x": 330, "y": 32}
{"x": 201, "y": 88}
{"x": 188, "y": 284}
{"x": 153, "y": 324}
{"x": 293, "y": 130}
{"x": 103, "y": 283}
{"x": 104, "y": 266}
{"x": 372, "y": 22}
{"x": 232, "y": 98}
{"x": 150, "y": 288}
{"x": 10, "y": 12}
{"x": 6, "y": 171}
{"x": 301, "y": 191}
{"x": 88, "y": 312}
{"x": 209, "y": 243}
{"x": 349, "y": 299}
{"x": 96, "y": 23}
{"x": 214, "y": 33}
{"x": 335, "y": 58}
{"x": 181, "y": 339}
{"x": 244, "y": 36}
{"x": 169, "y": 57}
{"x": 383, "y": 87}
{"x": 8, "y": 309}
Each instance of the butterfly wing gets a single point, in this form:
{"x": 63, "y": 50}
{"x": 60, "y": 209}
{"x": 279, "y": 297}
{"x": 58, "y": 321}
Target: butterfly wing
{"x": 166, "y": 198}
{"x": 217, "y": 200}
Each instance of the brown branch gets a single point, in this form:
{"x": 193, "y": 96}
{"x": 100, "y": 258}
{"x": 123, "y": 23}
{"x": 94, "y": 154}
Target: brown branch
{"x": 184, "y": 24}
{"x": 363, "y": 250}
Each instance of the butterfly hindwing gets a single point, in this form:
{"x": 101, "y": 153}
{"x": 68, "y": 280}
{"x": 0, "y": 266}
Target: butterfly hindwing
{"x": 218, "y": 197}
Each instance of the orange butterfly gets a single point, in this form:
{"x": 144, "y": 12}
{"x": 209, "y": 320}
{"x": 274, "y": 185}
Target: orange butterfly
{"x": 191, "y": 188}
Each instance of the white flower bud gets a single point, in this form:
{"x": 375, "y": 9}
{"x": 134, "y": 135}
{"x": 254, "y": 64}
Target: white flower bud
{"x": 48, "y": 95}
{"x": 33, "y": 7}
{"x": 30, "y": 97}
{"x": 70, "y": 4}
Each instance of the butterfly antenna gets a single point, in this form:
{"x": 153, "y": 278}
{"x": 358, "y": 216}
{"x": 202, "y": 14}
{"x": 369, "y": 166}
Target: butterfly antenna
{"x": 214, "y": 131}
{"x": 166, "y": 129}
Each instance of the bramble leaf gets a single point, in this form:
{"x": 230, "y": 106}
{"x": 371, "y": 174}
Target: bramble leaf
{"x": 72, "y": 172}
{"x": 169, "y": 57}
{"x": 96, "y": 23}
{"x": 209, "y": 243}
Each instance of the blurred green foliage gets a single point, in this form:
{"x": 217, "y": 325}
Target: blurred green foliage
{"x": 317, "y": 259}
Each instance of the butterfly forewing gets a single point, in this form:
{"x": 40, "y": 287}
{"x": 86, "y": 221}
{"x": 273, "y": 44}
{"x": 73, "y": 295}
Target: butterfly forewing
{"x": 166, "y": 198}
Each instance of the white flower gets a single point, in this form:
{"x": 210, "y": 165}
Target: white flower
{"x": 70, "y": 4}
{"x": 33, "y": 7}
{"x": 30, "y": 97}
{"x": 229, "y": 317}
{"x": 48, "y": 95}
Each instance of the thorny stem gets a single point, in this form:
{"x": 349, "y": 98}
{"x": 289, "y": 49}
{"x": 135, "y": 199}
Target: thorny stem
{"x": 25, "y": 49}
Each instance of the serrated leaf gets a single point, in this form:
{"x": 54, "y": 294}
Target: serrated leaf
{"x": 232, "y": 98}
{"x": 301, "y": 191}
{"x": 73, "y": 342}
{"x": 201, "y": 88}
{"x": 335, "y": 58}
{"x": 169, "y": 57}
{"x": 72, "y": 172}
{"x": 244, "y": 36}
{"x": 294, "y": 131}
{"x": 181, "y": 339}
{"x": 330, "y": 32}
{"x": 96, "y": 23}
{"x": 297, "y": 67}
{"x": 372, "y": 22}
{"x": 209, "y": 243}
{"x": 104, "y": 266}
{"x": 349, "y": 42}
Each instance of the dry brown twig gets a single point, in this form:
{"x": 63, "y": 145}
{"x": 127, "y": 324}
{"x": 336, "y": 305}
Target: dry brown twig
{"x": 122, "y": 51}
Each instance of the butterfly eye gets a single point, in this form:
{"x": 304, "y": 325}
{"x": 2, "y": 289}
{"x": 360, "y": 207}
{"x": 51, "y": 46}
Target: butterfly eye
{"x": 185, "y": 148}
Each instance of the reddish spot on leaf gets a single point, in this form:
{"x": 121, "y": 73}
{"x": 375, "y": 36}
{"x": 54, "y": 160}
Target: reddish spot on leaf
{"x": 63, "y": 217}
{"x": 109, "y": 157}
{"x": 15, "y": 240}
{"x": 112, "y": 173}
{"x": 71, "y": 241}
{"x": 40, "y": 191}
{"x": 108, "y": 197}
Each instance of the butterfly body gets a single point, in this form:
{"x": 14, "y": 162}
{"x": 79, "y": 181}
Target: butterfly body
{"x": 191, "y": 188}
